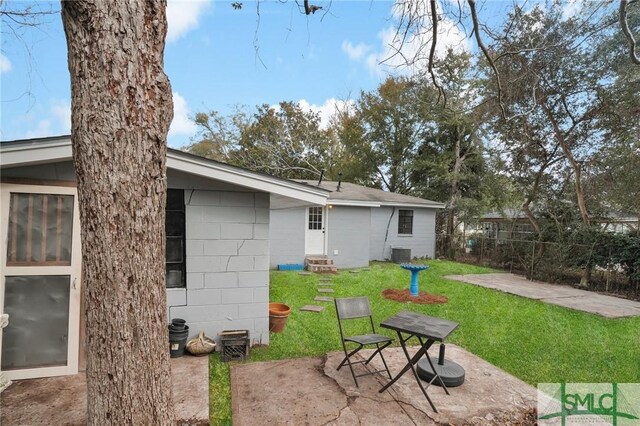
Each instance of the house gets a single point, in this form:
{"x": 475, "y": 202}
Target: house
{"x": 357, "y": 225}
{"x": 217, "y": 262}
{"x": 513, "y": 224}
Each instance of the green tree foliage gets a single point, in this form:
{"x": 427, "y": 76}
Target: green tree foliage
{"x": 393, "y": 122}
{"x": 450, "y": 165}
{"x": 562, "y": 97}
{"x": 285, "y": 141}
{"x": 355, "y": 160}
{"x": 218, "y": 136}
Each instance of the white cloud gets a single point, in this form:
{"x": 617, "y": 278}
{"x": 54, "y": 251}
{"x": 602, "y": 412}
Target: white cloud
{"x": 571, "y": 8}
{"x": 5, "y": 64}
{"x": 410, "y": 54}
{"x": 183, "y": 16}
{"x": 54, "y": 121}
{"x": 42, "y": 129}
{"x": 61, "y": 112}
{"x": 355, "y": 52}
{"x": 182, "y": 124}
{"x": 327, "y": 109}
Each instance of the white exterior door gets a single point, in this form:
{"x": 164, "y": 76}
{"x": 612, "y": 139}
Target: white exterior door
{"x": 314, "y": 234}
{"x": 40, "y": 280}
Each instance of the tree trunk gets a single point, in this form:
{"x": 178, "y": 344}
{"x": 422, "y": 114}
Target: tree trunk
{"x": 453, "y": 194}
{"x": 579, "y": 189}
{"x": 121, "y": 112}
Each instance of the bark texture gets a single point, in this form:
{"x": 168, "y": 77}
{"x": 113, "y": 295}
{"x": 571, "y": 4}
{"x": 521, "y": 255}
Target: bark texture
{"x": 121, "y": 112}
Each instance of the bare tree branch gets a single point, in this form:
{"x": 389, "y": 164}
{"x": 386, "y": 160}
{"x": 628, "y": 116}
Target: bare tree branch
{"x": 487, "y": 55}
{"x": 432, "y": 53}
{"x": 256, "y": 45}
{"x": 624, "y": 23}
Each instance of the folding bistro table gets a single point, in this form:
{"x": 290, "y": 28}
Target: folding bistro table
{"x": 428, "y": 330}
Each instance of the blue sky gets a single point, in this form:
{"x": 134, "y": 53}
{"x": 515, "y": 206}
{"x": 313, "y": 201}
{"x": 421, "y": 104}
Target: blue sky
{"x": 212, "y": 63}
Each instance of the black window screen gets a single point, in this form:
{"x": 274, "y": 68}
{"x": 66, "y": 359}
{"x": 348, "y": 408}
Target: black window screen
{"x": 405, "y": 222}
{"x": 175, "y": 229}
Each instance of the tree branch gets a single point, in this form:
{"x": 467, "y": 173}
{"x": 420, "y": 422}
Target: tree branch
{"x": 624, "y": 23}
{"x": 485, "y": 52}
{"x": 432, "y": 53}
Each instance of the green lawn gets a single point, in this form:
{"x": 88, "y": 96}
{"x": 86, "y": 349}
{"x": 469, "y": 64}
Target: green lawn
{"x": 534, "y": 341}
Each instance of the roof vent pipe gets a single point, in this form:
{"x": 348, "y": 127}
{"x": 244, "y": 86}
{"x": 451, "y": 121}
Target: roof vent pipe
{"x": 339, "y": 181}
{"x": 321, "y": 176}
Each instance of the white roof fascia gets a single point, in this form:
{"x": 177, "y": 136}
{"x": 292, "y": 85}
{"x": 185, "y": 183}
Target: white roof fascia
{"x": 44, "y": 152}
{"x": 356, "y": 203}
{"x": 414, "y": 205}
{"x": 353, "y": 203}
{"x": 246, "y": 178}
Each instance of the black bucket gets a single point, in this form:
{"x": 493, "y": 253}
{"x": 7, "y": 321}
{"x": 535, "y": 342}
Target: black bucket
{"x": 178, "y": 323}
{"x": 177, "y": 340}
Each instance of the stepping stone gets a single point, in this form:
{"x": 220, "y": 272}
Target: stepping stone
{"x": 326, "y": 290}
{"x": 325, "y": 284}
{"x": 312, "y": 308}
{"x": 323, "y": 299}
{"x": 305, "y": 273}
{"x": 355, "y": 272}
{"x": 325, "y": 280}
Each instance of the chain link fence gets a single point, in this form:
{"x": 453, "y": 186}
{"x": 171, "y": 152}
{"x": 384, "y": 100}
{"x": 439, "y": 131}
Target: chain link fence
{"x": 543, "y": 261}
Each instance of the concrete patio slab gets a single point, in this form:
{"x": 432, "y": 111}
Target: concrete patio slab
{"x": 63, "y": 400}
{"x": 311, "y": 391}
{"x": 556, "y": 294}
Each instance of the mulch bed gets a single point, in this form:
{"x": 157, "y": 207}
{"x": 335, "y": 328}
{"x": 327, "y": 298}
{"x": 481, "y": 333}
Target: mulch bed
{"x": 423, "y": 298}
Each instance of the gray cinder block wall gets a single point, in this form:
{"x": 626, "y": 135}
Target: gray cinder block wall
{"x": 287, "y": 233}
{"x": 348, "y": 234}
{"x": 227, "y": 253}
{"x": 384, "y": 233}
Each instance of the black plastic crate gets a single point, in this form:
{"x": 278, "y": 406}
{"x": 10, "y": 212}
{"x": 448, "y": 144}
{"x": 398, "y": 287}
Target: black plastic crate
{"x": 234, "y": 345}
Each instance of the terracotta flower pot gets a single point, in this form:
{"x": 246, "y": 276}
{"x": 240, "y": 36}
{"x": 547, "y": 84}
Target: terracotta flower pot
{"x": 278, "y": 315}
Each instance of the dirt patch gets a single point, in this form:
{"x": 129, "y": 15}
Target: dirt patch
{"x": 423, "y": 298}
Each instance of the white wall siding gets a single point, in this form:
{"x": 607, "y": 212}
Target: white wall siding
{"x": 286, "y": 235}
{"x": 384, "y": 233}
{"x": 349, "y": 236}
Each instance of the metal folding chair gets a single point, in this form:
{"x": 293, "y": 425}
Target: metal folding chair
{"x": 358, "y": 307}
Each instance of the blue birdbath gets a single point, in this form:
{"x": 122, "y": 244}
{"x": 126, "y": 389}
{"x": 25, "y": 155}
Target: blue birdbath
{"x": 415, "y": 269}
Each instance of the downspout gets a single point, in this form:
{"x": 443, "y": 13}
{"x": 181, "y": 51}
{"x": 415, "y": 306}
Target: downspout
{"x": 386, "y": 234}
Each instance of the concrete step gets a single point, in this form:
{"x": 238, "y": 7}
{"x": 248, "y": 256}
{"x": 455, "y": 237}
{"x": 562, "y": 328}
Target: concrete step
{"x": 323, "y": 269}
{"x": 318, "y": 260}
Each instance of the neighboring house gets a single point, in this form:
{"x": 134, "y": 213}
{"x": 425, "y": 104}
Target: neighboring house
{"x": 619, "y": 222}
{"x": 359, "y": 224}
{"x": 217, "y": 261}
{"x": 514, "y": 224}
